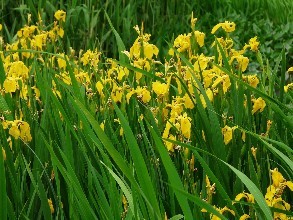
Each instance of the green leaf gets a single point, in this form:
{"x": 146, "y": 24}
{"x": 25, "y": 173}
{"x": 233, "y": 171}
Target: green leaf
{"x": 208, "y": 171}
{"x": 39, "y": 189}
{"x": 173, "y": 176}
{"x": 4, "y": 109}
{"x": 139, "y": 163}
{"x": 253, "y": 190}
{"x": 177, "y": 217}
{"x": 3, "y": 193}
{"x": 120, "y": 44}
{"x": 124, "y": 188}
{"x": 201, "y": 203}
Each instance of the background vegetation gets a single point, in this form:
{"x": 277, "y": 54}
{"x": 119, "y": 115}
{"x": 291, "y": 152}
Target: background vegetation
{"x": 87, "y": 25}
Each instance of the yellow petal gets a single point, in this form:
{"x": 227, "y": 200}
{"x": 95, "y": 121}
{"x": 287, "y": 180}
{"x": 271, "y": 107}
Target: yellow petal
{"x": 99, "y": 87}
{"x": 148, "y": 51}
{"x": 188, "y": 102}
{"x": 228, "y": 134}
{"x": 10, "y": 85}
{"x": 160, "y": 88}
{"x": 259, "y": 104}
{"x": 240, "y": 196}
{"x": 216, "y": 27}
{"x": 13, "y": 131}
{"x": 60, "y": 15}
{"x": 25, "y": 131}
{"x": 243, "y": 217}
{"x": 102, "y": 125}
{"x": 185, "y": 126}
{"x": 244, "y": 63}
{"x": 277, "y": 177}
{"x": 227, "y": 209}
{"x": 51, "y": 206}
{"x": 290, "y": 185}
{"x": 199, "y": 38}
{"x": 228, "y": 26}
{"x": 170, "y": 145}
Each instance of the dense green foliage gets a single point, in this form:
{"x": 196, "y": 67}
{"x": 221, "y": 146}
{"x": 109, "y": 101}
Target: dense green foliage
{"x": 87, "y": 26}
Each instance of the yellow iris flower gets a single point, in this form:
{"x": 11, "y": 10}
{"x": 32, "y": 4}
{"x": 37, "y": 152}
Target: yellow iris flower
{"x": 227, "y": 26}
{"x": 258, "y": 104}
{"x": 60, "y": 15}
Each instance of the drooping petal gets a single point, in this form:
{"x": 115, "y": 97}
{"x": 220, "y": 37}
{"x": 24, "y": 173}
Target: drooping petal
{"x": 216, "y": 27}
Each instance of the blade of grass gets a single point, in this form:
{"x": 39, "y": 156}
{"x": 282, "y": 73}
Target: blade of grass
{"x": 44, "y": 202}
{"x": 209, "y": 173}
{"x": 121, "y": 163}
{"x": 177, "y": 217}
{"x": 201, "y": 203}
{"x": 68, "y": 174}
{"x": 124, "y": 188}
{"x": 3, "y": 193}
{"x": 120, "y": 44}
{"x": 4, "y": 109}
{"x": 283, "y": 72}
{"x": 139, "y": 163}
{"x": 172, "y": 173}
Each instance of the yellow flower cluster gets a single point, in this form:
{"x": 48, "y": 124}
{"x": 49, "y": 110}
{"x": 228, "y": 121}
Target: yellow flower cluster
{"x": 15, "y": 72}
{"x": 172, "y": 96}
{"x": 142, "y": 55}
{"x": 18, "y": 129}
{"x": 19, "y": 77}
{"x": 273, "y": 195}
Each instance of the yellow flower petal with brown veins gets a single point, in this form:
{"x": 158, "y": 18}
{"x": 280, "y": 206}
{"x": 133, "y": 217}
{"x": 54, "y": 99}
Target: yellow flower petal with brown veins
{"x": 288, "y": 87}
